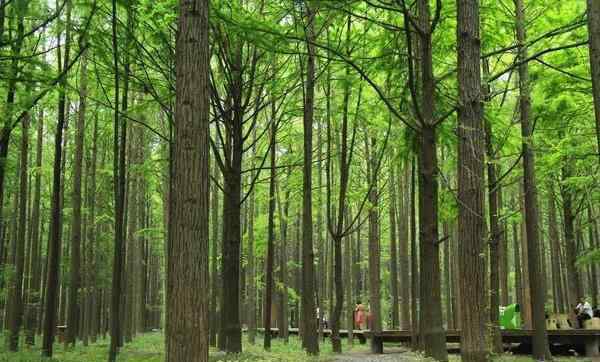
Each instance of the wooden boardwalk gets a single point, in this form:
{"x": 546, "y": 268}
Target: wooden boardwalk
{"x": 589, "y": 339}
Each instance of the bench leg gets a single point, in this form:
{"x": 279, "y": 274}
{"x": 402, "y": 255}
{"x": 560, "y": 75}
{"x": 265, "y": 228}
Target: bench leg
{"x": 376, "y": 345}
{"x": 362, "y": 339}
{"x": 591, "y": 347}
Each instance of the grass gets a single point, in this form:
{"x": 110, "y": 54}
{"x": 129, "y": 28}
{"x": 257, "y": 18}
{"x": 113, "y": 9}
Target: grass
{"x": 149, "y": 347}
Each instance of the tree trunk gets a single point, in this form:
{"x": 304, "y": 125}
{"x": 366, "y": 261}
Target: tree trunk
{"x": 553, "y": 234}
{"x": 283, "y": 256}
{"x": 593, "y": 245}
{"x": 471, "y": 222}
{"x": 574, "y": 286}
{"x": 251, "y": 270}
{"x": 414, "y": 260}
{"x": 119, "y": 143}
{"x": 374, "y": 241}
{"x": 92, "y": 263}
{"x": 214, "y": 211}
{"x": 517, "y": 265}
{"x": 348, "y": 282}
{"x": 403, "y": 243}
{"x": 187, "y": 257}
{"x": 271, "y": 237}
{"x": 393, "y": 251}
{"x": 540, "y": 337}
{"x": 431, "y": 330}
{"x": 447, "y": 279}
{"x": 15, "y": 293}
{"x": 503, "y": 251}
{"x": 495, "y": 240}
{"x": 593, "y": 15}
{"x": 76, "y": 223}
{"x": 310, "y": 341}
{"x": 34, "y": 295}
{"x": 54, "y": 239}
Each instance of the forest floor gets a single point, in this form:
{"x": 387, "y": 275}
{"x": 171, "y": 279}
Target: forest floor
{"x": 150, "y": 348}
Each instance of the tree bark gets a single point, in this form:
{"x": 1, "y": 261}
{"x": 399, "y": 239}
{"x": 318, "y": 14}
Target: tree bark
{"x": 555, "y": 254}
{"x": 54, "y": 240}
{"x": 34, "y": 294}
{"x": 403, "y": 244}
{"x": 215, "y": 212}
{"x": 187, "y": 257}
{"x": 393, "y": 251}
{"x": 251, "y": 257}
{"x": 310, "y": 341}
{"x": 414, "y": 260}
{"x": 471, "y": 222}
{"x": 593, "y": 15}
{"x": 283, "y": 259}
{"x": 15, "y": 293}
{"x": 271, "y": 238}
{"x": 540, "y": 336}
{"x": 574, "y": 278}
{"x": 75, "y": 267}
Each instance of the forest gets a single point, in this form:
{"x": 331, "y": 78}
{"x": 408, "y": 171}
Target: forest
{"x": 255, "y": 180}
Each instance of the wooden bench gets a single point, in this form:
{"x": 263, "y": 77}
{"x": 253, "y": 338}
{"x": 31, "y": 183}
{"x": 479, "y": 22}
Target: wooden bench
{"x": 588, "y": 338}
{"x": 61, "y": 330}
{"x": 359, "y": 334}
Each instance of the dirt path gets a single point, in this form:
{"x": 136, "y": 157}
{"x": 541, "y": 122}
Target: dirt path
{"x": 391, "y": 354}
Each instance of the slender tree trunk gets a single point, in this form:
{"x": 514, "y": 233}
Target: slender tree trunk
{"x": 15, "y": 293}
{"x": 187, "y": 257}
{"x": 414, "y": 260}
{"x": 495, "y": 237}
{"x": 310, "y": 341}
{"x": 540, "y": 337}
{"x": 553, "y": 234}
{"x": 92, "y": 263}
{"x": 517, "y": 265}
{"x": 270, "y": 240}
{"x": 393, "y": 252}
{"x": 75, "y": 268}
{"x": 283, "y": 270}
{"x": 215, "y": 212}
{"x": 403, "y": 244}
{"x": 447, "y": 278}
{"x": 119, "y": 194}
{"x": 54, "y": 240}
{"x": 593, "y": 246}
{"x": 575, "y": 290}
{"x": 503, "y": 251}
{"x": 374, "y": 242}
{"x": 348, "y": 283}
{"x": 34, "y": 294}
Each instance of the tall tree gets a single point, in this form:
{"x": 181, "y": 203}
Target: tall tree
{"x": 310, "y": 341}
{"x": 119, "y": 146}
{"x": 54, "y": 242}
{"x": 593, "y": 18}
{"x": 271, "y": 238}
{"x": 76, "y": 224}
{"x": 471, "y": 151}
{"x": 34, "y": 294}
{"x": 187, "y": 251}
{"x": 393, "y": 250}
{"x": 540, "y": 336}
{"x": 15, "y": 301}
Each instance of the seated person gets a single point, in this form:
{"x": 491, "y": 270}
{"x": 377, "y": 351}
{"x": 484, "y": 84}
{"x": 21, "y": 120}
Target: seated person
{"x": 584, "y": 312}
